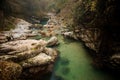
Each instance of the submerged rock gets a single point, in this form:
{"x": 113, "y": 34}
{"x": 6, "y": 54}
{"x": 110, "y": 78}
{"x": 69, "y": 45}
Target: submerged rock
{"x": 65, "y": 70}
{"x": 64, "y": 61}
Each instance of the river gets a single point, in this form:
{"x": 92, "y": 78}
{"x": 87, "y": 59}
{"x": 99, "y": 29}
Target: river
{"x": 74, "y": 63}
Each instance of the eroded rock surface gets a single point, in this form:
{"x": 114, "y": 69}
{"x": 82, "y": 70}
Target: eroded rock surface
{"x": 9, "y": 70}
{"x": 30, "y": 54}
{"x": 96, "y": 23}
{"x": 52, "y": 41}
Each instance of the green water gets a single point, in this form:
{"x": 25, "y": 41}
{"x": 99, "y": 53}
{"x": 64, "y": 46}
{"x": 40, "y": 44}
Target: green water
{"x": 44, "y": 21}
{"x": 74, "y": 63}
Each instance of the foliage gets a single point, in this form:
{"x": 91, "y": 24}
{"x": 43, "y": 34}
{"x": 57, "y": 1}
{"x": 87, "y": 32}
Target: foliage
{"x": 85, "y": 12}
{"x": 57, "y": 5}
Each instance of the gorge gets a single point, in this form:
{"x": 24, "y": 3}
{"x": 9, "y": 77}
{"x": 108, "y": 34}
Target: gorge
{"x": 59, "y": 40}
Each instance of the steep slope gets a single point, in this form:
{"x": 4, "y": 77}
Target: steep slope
{"x": 96, "y": 23}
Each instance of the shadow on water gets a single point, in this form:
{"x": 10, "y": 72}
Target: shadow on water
{"x": 65, "y": 70}
{"x": 75, "y": 63}
{"x": 64, "y": 61}
{"x": 58, "y": 78}
{"x": 44, "y": 21}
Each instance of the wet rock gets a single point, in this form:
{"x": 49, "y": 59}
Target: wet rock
{"x": 9, "y": 70}
{"x": 53, "y": 41}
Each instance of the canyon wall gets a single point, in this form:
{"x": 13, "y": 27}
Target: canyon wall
{"x": 96, "y": 23}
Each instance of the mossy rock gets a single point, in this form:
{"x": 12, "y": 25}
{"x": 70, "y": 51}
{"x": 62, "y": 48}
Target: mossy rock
{"x": 9, "y": 70}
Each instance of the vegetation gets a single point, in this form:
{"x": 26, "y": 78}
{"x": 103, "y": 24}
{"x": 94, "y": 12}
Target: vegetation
{"x": 57, "y": 5}
{"x": 20, "y": 8}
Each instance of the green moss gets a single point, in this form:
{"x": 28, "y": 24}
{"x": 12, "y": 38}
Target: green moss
{"x": 9, "y": 70}
{"x": 93, "y": 5}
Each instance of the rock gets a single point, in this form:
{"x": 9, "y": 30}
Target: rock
{"x": 52, "y": 41}
{"x": 24, "y": 45}
{"x": 51, "y": 52}
{"x": 22, "y": 49}
{"x": 115, "y": 61}
{"x": 68, "y": 34}
{"x": 21, "y": 30}
{"x": 43, "y": 33}
{"x": 77, "y": 31}
{"x": 3, "y": 41}
{"x": 22, "y": 37}
{"x": 9, "y": 70}
{"x": 3, "y": 38}
{"x": 33, "y": 56}
{"x": 41, "y": 59}
{"x": 9, "y": 37}
{"x": 20, "y": 56}
{"x": 30, "y": 35}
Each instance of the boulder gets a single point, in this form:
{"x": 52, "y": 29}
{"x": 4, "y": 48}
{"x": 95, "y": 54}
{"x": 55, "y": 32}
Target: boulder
{"x": 33, "y": 56}
{"x": 38, "y": 60}
{"x": 53, "y": 41}
{"x": 9, "y": 70}
{"x": 115, "y": 61}
{"x": 68, "y": 34}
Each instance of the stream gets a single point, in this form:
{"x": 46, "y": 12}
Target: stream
{"x": 74, "y": 63}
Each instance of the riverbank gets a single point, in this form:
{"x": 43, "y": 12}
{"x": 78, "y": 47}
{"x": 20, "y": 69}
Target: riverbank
{"x": 33, "y": 57}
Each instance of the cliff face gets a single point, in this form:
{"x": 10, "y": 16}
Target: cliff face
{"x": 99, "y": 30}
{"x": 96, "y": 23}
